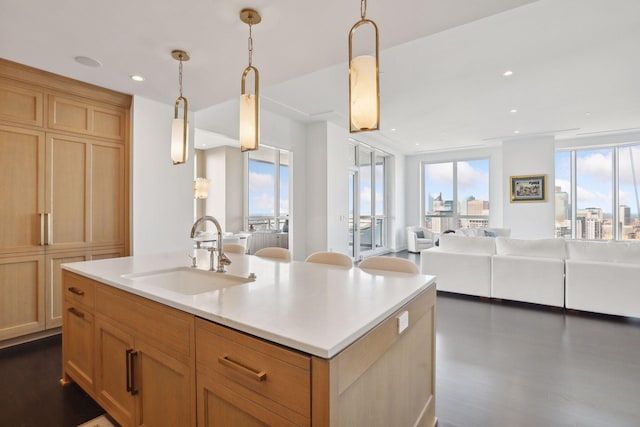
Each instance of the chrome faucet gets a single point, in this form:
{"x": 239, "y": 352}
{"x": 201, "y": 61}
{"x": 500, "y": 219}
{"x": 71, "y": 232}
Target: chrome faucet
{"x": 222, "y": 258}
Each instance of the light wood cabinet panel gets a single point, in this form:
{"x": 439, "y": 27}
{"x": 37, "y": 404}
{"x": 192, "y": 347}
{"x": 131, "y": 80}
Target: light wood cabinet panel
{"x": 112, "y": 369}
{"x": 270, "y": 382}
{"x": 220, "y": 407}
{"x": 22, "y": 291}
{"x": 67, "y": 197}
{"x": 78, "y": 354}
{"x": 22, "y": 188}
{"x": 78, "y": 116}
{"x": 107, "y": 189}
{"x": 166, "y": 391}
{"x": 53, "y": 283}
{"x": 384, "y": 378}
{"x": 145, "y": 359}
{"x": 20, "y": 104}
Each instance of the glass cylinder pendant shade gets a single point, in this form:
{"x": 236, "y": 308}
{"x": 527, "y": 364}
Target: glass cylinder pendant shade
{"x": 364, "y": 88}
{"x": 249, "y": 115}
{"x": 364, "y": 93}
{"x": 179, "y": 135}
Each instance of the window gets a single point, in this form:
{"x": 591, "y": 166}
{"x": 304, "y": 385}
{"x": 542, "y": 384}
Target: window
{"x": 456, "y": 195}
{"x": 605, "y": 184}
{"x": 268, "y": 189}
{"x": 372, "y": 199}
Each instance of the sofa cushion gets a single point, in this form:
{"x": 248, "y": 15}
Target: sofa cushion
{"x": 538, "y": 248}
{"x": 468, "y": 245}
{"x": 420, "y": 234}
{"x": 622, "y": 252}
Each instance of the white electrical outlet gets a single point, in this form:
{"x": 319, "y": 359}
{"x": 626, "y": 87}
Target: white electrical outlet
{"x": 403, "y": 321}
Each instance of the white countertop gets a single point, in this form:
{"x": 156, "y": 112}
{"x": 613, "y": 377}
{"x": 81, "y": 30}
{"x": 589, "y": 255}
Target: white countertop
{"x": 315, "y": 308}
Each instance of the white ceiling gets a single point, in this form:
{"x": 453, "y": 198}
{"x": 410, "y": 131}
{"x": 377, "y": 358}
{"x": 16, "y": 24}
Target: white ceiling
{"x": 441, "y": 61}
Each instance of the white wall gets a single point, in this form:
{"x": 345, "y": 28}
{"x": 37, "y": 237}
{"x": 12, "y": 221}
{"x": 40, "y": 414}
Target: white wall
{"x": 316, "y": 188}
{"x": 535, "y": 156}
{"x": 340, "y": 158}
{"x": 162, "y": 194}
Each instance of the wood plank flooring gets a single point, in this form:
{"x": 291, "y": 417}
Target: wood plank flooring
{"x": 498, "y": 365}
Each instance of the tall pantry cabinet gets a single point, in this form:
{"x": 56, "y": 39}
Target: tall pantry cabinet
{"x": 64, "y": 190}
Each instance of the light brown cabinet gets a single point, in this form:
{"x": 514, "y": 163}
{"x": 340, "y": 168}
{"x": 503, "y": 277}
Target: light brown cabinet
{"x": 153, "y": 363}
{"x": 64, "y": 187}
{"x": 245, "y": 381}
{"x": 142, "y": 353}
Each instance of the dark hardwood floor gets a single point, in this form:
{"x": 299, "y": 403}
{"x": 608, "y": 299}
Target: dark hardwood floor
{"x": 30, "y": 391}
{"x": 498, "y": 365}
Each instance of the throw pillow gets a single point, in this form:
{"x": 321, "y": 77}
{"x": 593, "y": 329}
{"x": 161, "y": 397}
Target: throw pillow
{"x": 489, "y": 233}
{"x": 420, "y": 234}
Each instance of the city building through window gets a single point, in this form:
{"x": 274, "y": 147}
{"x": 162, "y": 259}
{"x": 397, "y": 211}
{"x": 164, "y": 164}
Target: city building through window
{"x": 455, "y": 195}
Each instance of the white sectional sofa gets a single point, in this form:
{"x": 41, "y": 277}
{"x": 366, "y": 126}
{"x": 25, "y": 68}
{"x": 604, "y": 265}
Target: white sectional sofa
{"x": 603, "y": 277}
{"x": 461, "y": 264}
{"x": 529, "y": 271}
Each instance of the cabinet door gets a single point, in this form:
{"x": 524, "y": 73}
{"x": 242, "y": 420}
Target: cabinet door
{"x": 113, "y": 371}
{"x": 108, "y": 194}
{"x": 220, "y": 407}
{"x": 166, "y": 389}
{"x": 67, "y": 195}
{"x": 21, "y": 295}
{"x": 22, "y": 154}
{"x": 78, "y": 344}
{"x": 53, "y": 285}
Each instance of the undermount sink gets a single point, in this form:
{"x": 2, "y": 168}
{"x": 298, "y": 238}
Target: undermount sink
{"x": 186, "y": 281}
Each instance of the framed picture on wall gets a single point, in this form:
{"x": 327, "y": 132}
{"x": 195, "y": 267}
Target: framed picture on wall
{"x": 528, "y": 188}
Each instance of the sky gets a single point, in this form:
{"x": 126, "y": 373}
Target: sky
{"x": 594, "y": 177}
{"x": 262, "y": 188}
{"x": 473, "y": 179}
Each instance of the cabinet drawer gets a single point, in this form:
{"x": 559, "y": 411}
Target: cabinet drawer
{"x": 78, "y": 289}
{"x": 162, "y": 326}
{"x": 253, "y": 368}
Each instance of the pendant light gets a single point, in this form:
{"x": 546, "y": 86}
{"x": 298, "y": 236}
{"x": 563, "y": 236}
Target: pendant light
{"x": 250, "y": 103}
{"x": 180, "y": 127}
{"x": 364, "y": 86}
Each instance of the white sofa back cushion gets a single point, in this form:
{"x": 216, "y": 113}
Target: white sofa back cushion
{"x": 622, "y": 252}
{"x": 469, "y": 245}
{"x": 540, "y": 248}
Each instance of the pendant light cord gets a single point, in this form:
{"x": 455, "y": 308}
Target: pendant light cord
{"x": 363, "y": 8}
{"x": 250, "y": 44}
{"x": 180, "y": 76}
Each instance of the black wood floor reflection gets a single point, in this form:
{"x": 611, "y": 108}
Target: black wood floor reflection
{"x": 30, "y": 392}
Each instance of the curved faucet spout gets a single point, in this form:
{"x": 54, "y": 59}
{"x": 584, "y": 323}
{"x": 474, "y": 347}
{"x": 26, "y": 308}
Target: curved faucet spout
{"x": 222, "y": 258}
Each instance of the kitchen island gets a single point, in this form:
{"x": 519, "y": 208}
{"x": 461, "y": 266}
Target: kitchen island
{"x": 266, "y": 343}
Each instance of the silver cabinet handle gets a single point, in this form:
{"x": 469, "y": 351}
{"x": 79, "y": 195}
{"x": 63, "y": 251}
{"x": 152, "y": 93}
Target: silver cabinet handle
{"x": 49, "y": 228}
{"x": 41, "y": 242}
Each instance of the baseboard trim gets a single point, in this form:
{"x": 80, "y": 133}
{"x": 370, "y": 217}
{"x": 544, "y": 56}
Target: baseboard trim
{"x": 31, "y": 337}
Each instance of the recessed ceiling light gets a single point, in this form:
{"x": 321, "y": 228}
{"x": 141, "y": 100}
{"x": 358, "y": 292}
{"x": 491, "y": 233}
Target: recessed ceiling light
{"x": 137, "y": 78}
{"x": 516, "y": 131}
{"x": 587, "y": 113}
{"x": 417, "y": 143}
{"x": 393, "y": 129}
{"x": 507, "y": 73}
{"x": 89, "y": 62}
{"x": 513, "y": 110}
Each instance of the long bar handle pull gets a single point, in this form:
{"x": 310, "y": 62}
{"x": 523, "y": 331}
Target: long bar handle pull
{"x": 131, "y": 388}
{"x": 75, "y": 312}
{"x": 49, "y": 228}
{"x": 76, "y": 291}
{"x": 42, "y": 242}
{"x": 256, "y": 375}
{"x": 128, "y": 368}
